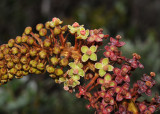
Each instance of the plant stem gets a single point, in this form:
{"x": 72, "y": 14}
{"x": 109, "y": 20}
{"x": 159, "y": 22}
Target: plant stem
{"x": 92, "y": 81}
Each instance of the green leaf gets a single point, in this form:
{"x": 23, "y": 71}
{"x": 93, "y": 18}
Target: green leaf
{"x": 102, "y": 72}
{"x": 81, "y": 72}
{"x": 84, "y": 49}
{"x": 93, "y": 57}
{"x": 85, "y": 57}
{"x": 93, "y": 49}
{"x": 105, "y": 61}
{"x": 110, "y": 68}
{"x": 72, "y": 65}
{"x": 98, "y": 65}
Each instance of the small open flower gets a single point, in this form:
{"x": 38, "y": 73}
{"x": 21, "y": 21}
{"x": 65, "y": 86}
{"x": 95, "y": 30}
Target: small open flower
{"x": 74, "y": 73}
{"x": 103, "y": 66}
{"x": 95, "y": 35}
{"x": 76, "y": 69}
{"x": 89, "y": 53}
{"x": 73, "y": 29}
{"x": 82, "y": 33}
{"x": 55, "y": 21}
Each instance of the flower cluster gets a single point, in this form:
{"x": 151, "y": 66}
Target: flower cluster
{"x": 103, "y": 81}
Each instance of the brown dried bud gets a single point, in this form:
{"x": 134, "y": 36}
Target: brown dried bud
{"x": 47, "y": 43}
{"x": 18, "y": 66}
{"x": 23, "y": 50}
{"x": 30, "y": 40}
{"x": 18, "y": 39}
{"x": 24, "y": 38}
{"x": 59, "y": 72}
{"x": 8, "y": 57}
{"x": 14, "y": 50}
{"x": 28, "y": 30}
{"x": 26, "y": 67}
{"x": 33, "y": 52}
{"x": 10, "y": 64}
{"x": 43, "y": 32}
{"x": 33, "y": 63}
{"x": 64, "y": 62}
{"x": 56, "y": 50}
{"x": 15, "y": 59}
{"x": 1, "y": 55}
{"x": 118, "y": 37}
{"x": 47, "y": 25}
{"x": 32, "y": 70}
{"x": 50, "y": 69}
{"x": 40, "y": 66}
{"x": 57, "y": 30}
{"x": 39, "y": 26}
{"x": 24, "y": 59}
{"x": 6, "y": 50}
{"x": 153, "y": 74}
{"x": 43, "y": 54}
{"x": 11, "y": 43}
{"x": 54, "y": 60}
{"x": 3, "y": 71}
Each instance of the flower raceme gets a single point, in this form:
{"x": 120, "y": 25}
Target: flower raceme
{"x": 103, "y": 81}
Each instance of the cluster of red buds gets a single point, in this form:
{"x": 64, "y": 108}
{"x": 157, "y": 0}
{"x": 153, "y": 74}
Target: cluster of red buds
{"x": 103, "y": 81}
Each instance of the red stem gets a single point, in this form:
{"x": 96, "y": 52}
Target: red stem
{"x": 92, "y": 81}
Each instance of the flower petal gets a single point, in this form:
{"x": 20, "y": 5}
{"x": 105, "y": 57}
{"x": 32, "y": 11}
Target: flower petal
{"x": 84, "y": 49}
{"x": 70, "y": 72}
{"x": 105, "y": 61}
{"x": 72, "y": 65}
{"x": 87, "y": 32}
{"x": 80, "y": 65}
{"x": 110, "y": 68}
{"x": 81, "y": 72}
{"x": 102, "y": 72}
{"x": 93, "y": 48}
{"x": 85, "y": 57}
{"x": 75, "y": 77}
{"x": 91, "y": 39}
{"x": 98, "y": 65}
{"x": 107, "y": 78}
{"x": 93, "y": 57}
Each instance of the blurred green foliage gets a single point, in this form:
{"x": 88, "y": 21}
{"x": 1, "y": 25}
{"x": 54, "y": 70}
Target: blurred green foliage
{"x": 137, "y": 21}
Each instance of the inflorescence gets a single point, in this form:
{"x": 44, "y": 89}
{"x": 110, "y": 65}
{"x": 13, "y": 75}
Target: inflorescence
{"x": 105, "y": 83}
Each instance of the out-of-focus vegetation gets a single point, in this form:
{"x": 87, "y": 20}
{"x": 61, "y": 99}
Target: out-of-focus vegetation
{"x": 136, "y": 20}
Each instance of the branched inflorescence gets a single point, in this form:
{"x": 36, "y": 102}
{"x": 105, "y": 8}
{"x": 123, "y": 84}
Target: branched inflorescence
{"x": 105, "y": 83}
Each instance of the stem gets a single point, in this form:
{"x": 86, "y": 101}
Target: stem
{"x": 54, "y": 39}
{"x": 37, "y": 38}
{"x": 80, "y": 45}
{"x": 92, "y": 81}
{"x": 61, "y": 39}
{"x": 92, "y": 87}
{"x": 76, "y": 44}
{"x": 16, "y": 45}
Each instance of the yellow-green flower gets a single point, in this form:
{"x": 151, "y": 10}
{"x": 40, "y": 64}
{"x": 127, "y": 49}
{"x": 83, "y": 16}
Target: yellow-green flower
{"x": 82, "y": 33}
{"x": 74, "y": 73}
{"x": 89, "y": 53}
{"x": 73, "y": 29}
{"x": 55, "y": 21}
{"x": 103, "y": 66}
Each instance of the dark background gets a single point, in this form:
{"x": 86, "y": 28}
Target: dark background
{"x": 138, "y": 21}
